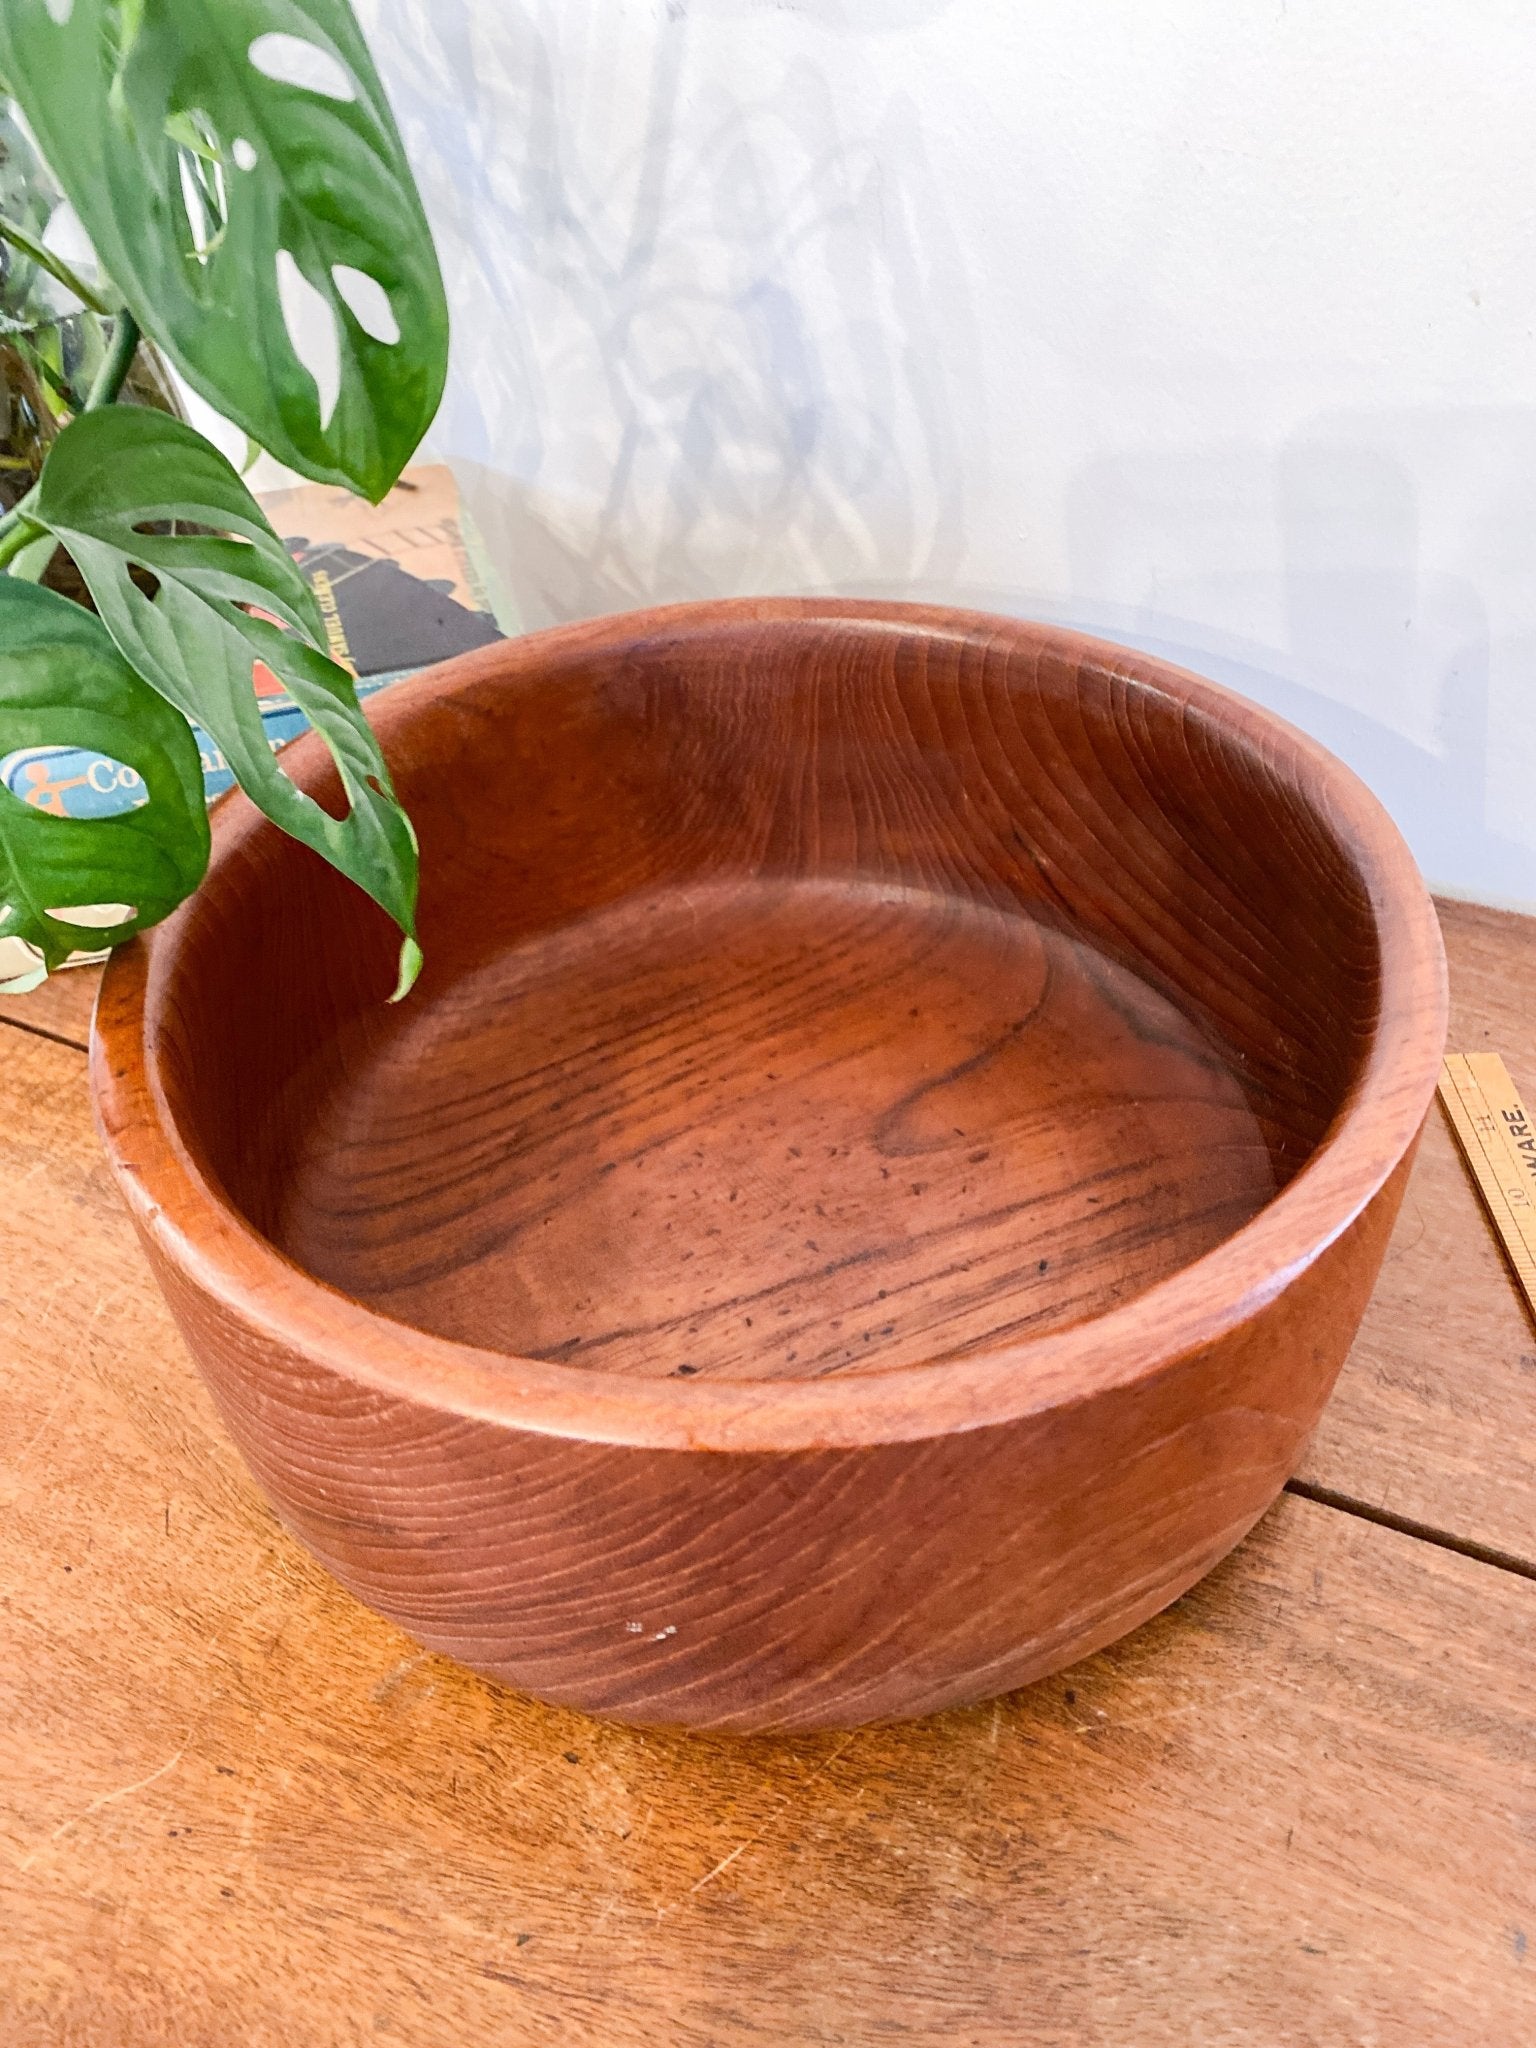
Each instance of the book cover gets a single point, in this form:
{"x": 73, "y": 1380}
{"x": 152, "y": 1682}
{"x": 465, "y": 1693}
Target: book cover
{"x": 397, "y": 588}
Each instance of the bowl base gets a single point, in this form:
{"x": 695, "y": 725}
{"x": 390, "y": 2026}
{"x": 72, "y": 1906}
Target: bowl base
{"x": 765, "y": 1128}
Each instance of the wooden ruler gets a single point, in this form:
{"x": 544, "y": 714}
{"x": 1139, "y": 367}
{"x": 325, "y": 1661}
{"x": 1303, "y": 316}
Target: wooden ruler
{"x": 1498, "y": 1140}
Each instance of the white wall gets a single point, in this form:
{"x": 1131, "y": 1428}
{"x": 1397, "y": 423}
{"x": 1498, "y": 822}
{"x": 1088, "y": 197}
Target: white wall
{"x": 1205, "y": 324}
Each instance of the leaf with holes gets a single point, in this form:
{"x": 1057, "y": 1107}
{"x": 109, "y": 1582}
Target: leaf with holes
{"x": 237, "y": 167}
{"x": 64, "y": 685}
{"x": 114, "y": 477}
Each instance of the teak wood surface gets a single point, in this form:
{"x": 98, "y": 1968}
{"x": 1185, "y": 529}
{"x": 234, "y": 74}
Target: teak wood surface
{"x": 886, "y": 1158}
{"x": 1298, "y": 1810}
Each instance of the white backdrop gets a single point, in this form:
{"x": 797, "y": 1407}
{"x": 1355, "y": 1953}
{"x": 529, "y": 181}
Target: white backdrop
{"x": 1205, "y": 324}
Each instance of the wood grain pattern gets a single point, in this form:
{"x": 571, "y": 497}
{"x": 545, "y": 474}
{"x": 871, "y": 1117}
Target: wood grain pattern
{"x": 764, "y": 1130}
{"x": 1434, "y": 1415}
{"x": 1299, "y": 1807}
{"x": 1054, "y": 961}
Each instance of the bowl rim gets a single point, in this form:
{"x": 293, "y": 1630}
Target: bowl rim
{"x": 195, "y": 1228}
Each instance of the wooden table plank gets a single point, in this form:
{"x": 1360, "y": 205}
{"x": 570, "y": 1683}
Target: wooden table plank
{"x": 1434, "y": 1417}
{"x": 1300, "y": 1807}
{"x": 61, "y": 1006}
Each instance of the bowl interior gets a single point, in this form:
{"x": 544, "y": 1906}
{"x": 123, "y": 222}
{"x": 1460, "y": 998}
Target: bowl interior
{"x": 804, "y": 994}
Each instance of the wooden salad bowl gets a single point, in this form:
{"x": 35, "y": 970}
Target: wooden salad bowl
{"x": 887, "y": 1155}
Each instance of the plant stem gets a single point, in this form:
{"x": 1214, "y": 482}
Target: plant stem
{"x": 35, "y": 560}
{"x": 19, "y": 536}
{"x": 17, "y": 529}
{"x": 115, "y": 364}
{"x": 19, "y": 238}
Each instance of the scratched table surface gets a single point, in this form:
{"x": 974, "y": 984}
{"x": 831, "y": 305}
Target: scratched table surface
{"x": 1299, "y": 1807}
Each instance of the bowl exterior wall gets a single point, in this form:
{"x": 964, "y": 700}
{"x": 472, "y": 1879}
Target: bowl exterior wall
{"x": 795, "y": 1591}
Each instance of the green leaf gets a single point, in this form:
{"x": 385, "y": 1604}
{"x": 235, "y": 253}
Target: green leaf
{"x": 136, "y": 106}
{"x": 63, "y": 684}
{"x": 115, "y": 472}
{"x": 188, "y": 132}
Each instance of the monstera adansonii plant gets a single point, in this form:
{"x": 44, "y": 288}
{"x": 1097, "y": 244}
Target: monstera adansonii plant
{"x": 239, "y": 177}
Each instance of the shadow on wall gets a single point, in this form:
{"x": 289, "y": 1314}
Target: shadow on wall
{"x": 1368, "y": 581}
{"x": 1313, "y": 597}
{"x": 1375, "y": 580}
{"x": 697, "y": 324}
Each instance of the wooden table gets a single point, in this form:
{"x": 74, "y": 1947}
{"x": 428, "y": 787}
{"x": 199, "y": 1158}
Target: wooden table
{"x": 1300, "y": 1807}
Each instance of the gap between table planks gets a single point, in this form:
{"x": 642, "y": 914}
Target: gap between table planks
{"x": 59, "y": 1008}
{"x": 1299, "y": 1807}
